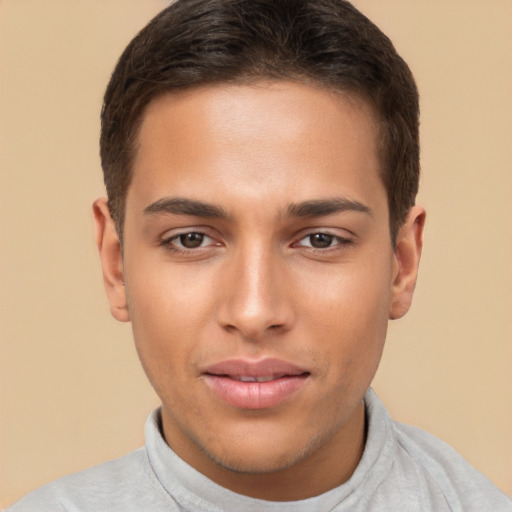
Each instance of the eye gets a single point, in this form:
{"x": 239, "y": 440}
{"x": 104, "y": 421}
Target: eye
{"x": 189, "y": 241}
{"x": 323, "y": 241}
{"x": 320, "y": 240}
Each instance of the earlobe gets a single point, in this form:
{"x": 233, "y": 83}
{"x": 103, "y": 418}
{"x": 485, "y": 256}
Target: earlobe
{"x": 109, "y": 249}
{"x": 409, "y": 243}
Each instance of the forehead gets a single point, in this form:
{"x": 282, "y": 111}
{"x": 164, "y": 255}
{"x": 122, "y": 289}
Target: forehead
{"x": 257, "y": 108}
{"x": 256, "y": 139}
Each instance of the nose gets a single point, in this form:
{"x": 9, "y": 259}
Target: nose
{"x": 256, "y": 299}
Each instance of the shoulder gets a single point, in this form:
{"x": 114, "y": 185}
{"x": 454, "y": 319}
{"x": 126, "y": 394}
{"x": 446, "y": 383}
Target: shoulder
{"x": 418, "y": 471}
{"x": 108, "y": 486}
{"x": 442, "y": 466}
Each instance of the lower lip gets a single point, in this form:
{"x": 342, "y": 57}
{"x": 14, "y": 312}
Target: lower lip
{"x": 255, "y": 395}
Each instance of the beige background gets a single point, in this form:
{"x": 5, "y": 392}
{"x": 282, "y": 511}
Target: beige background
{"x": 71, "y": 390}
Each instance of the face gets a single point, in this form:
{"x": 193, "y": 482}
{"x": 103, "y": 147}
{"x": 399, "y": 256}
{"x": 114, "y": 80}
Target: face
{"x": 259, "y": 275}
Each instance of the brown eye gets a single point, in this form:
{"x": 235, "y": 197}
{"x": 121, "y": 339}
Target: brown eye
{"x": 321, "y": 240}
{"x": 191, "y": 240}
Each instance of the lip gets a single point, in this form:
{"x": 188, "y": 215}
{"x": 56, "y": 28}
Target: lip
{"x": 279, "y": 381}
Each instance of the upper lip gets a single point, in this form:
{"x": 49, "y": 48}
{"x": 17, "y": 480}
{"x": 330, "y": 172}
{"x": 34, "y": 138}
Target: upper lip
{"x": 255, "y": 368}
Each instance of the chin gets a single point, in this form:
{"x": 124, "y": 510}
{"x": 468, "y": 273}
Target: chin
{"x": 262, "y": 464}
{"x": 264, "y": 456}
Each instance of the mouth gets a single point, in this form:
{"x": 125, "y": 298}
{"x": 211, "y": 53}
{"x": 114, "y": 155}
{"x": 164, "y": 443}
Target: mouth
{"x": 247, "y": 378}
{"x": 261, "y": 384}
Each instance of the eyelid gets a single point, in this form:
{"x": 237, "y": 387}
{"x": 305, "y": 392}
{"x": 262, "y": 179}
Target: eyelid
{"x": 168, "y": 238}
{"x": 338, "y": 239}
{"x": 338, "y": 233}
{"x": 179, "y": 235}
{"x": 183, "y": 230}
{"x": 341, "y": 241}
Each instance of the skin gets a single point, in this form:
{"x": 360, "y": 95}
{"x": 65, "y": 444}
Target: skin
{"x": 267, "y": 279}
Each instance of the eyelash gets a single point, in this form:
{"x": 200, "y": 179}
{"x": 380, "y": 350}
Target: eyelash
{"x": 167, "y": 243}
{"x": 341, "y": 243}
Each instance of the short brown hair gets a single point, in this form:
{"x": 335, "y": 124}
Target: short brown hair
{"x": 323, "y": 42}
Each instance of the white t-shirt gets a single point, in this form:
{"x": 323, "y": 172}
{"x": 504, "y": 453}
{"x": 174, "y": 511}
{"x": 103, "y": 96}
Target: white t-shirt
{"x": 403, "y": 469}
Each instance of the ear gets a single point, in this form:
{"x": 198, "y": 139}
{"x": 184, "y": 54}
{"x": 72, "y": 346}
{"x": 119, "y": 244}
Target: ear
{"x": 111, "y": 258}
{"x": 409, "y": 243}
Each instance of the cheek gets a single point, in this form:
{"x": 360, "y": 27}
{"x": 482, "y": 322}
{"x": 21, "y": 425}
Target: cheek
{"x": 166, "y": 311}
{"x": 351, "y": 316}
{"x": 355, "y": 295}
{"x": 165, "y": 296}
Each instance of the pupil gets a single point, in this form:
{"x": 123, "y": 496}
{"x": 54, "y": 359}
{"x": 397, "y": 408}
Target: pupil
{"x": 321, "y": 240}
{"x": 191, "y": 240}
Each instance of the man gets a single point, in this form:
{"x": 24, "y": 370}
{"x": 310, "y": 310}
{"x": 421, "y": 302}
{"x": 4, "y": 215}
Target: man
{"x": 261, "y": 162}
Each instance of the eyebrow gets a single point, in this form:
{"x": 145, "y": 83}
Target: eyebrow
{"x": 312, "y": 208}
{"x": 323, "y": 207}
{"x": 182, "y": 206}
